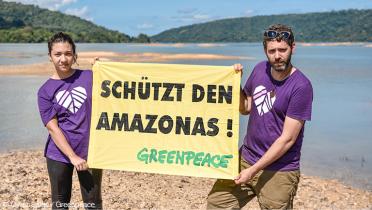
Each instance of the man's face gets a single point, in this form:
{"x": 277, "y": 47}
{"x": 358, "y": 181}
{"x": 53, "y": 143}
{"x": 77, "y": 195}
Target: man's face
{"x": 279, "y": 54}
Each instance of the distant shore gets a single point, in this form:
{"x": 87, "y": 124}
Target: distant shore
{"x": 309, "y": 44}
{"x": 25, "y": 184}
{"x": 85, "y": 61}
{"x": 305, "y": 44}
{"x": 85, "y": 58}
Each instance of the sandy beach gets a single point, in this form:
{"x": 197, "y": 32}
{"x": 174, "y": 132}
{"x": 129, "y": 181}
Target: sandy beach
{"x": 85, "y": 61}
{"x": 25, "y": 184}
{"x": 333, "y": 44}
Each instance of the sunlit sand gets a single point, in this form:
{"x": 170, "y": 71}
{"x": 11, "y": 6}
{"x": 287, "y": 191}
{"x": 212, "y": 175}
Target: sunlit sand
{"x": 85, "y": 60}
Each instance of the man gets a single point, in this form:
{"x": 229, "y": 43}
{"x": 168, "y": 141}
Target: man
{"x": 278, "y": 98}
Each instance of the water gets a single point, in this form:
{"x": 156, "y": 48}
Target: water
{"x": 337, "y": 141}
{"x": 20, "y": 125}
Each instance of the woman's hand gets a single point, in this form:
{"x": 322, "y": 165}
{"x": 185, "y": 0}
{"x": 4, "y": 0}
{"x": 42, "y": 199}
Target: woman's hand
{"x": 238, "y": 68}
{"x": 94, "y": 60}
{"x": 79, "y": 163}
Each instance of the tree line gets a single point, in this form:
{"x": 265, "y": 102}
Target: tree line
{"x": 336, "y": 26}
{"x": 28, "y": 23}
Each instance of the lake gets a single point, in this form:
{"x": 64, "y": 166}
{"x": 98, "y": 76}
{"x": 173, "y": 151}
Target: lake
{"x": 338, "y": 140}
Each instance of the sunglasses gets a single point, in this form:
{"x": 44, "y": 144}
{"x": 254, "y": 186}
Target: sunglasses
{"x": 271, "y": 34}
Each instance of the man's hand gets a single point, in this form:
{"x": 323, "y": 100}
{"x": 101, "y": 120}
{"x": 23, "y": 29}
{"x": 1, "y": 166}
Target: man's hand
{"x": 79, "y": 163}
{"x": 245, "y": 176}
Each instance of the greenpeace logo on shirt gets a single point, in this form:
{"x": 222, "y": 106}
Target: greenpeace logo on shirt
{"x": 263, "y": 99}
{"x": 72, "y": 100}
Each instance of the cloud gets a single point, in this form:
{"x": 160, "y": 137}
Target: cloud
{"x": 55, "y": 5}
{"x": 48, "y": 4}
{"x": 145, "y": 26}
{"x": 187, "y": 10}
{"x": 191, "y": 15}
{"x": 82, "y": 12}
{"x": 193, "y": 18}
{"x": 248, "y": 13}
{"x": 201, "y": 17}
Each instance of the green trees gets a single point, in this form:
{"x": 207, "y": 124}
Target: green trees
{"x": 142, "y": 38}
{"x": 27, "y": 23}
{"x": 336, "y": 26}
{"x": 26, "y": 34}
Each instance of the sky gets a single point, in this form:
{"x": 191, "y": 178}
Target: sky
{"x": 152, "y": 17}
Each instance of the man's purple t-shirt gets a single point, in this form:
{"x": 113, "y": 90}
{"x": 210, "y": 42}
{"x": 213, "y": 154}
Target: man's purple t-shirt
{"x": 70, "y": 101}
{"x": 272, "y": 101}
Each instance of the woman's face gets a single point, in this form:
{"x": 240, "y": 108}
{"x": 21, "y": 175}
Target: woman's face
{"x": 62, "y": 56}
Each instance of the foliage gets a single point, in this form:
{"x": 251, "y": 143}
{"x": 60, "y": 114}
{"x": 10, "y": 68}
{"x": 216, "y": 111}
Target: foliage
{"x": 28, "y": 23}
{"x": 335, "y": 26}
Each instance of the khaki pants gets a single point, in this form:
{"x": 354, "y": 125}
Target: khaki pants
{"x": 274, "y": 190}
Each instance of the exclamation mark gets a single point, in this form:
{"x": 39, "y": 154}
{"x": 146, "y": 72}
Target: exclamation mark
{"x": 229, "y": 128}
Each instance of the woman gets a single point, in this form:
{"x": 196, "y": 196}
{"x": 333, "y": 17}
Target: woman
{"x": 65, "y": 107}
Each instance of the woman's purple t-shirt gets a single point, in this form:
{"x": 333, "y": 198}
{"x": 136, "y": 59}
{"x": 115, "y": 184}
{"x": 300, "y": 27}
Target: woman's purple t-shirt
{"x": 272, "y": 101}
{"x": 70, "y": 101}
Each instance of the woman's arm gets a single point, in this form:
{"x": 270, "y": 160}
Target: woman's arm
{"x": 61, "y": 142}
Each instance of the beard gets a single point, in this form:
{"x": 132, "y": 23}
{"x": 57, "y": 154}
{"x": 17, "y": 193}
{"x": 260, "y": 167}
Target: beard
{"x": 282, "y": 65}
{"x": 279, "y": 66}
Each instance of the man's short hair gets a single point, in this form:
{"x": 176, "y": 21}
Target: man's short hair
{"x": 279, "y": 28}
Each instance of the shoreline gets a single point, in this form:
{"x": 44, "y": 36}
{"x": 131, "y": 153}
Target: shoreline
{"x": 27, "y": 183}
{"x": 85, "y": 60}
{"x": 332, "y": 44}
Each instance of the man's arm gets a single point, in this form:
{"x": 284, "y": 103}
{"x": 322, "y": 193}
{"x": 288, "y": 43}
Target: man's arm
{"x": 291, "y": 129}
{"x": 245, "y": 103}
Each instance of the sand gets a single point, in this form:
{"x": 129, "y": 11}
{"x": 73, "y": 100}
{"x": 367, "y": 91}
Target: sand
{"x": 180, "y": 45}
{"x": 25, "y": 184}
{"x": 85, "y": 60}
{"x": 333, "y": 44}
{"x": 326, "y": 44}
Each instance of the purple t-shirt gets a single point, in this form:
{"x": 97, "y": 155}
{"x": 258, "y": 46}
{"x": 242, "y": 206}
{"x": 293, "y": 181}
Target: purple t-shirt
{"x": 272, "y": 101}
{"x": 70, "y": 101}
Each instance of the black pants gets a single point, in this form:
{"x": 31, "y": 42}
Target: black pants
{"x": 60, "y": 175}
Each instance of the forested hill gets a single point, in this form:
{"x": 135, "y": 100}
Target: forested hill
{"x": 335, "y": 26}
{"x": 28, "y": 23}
